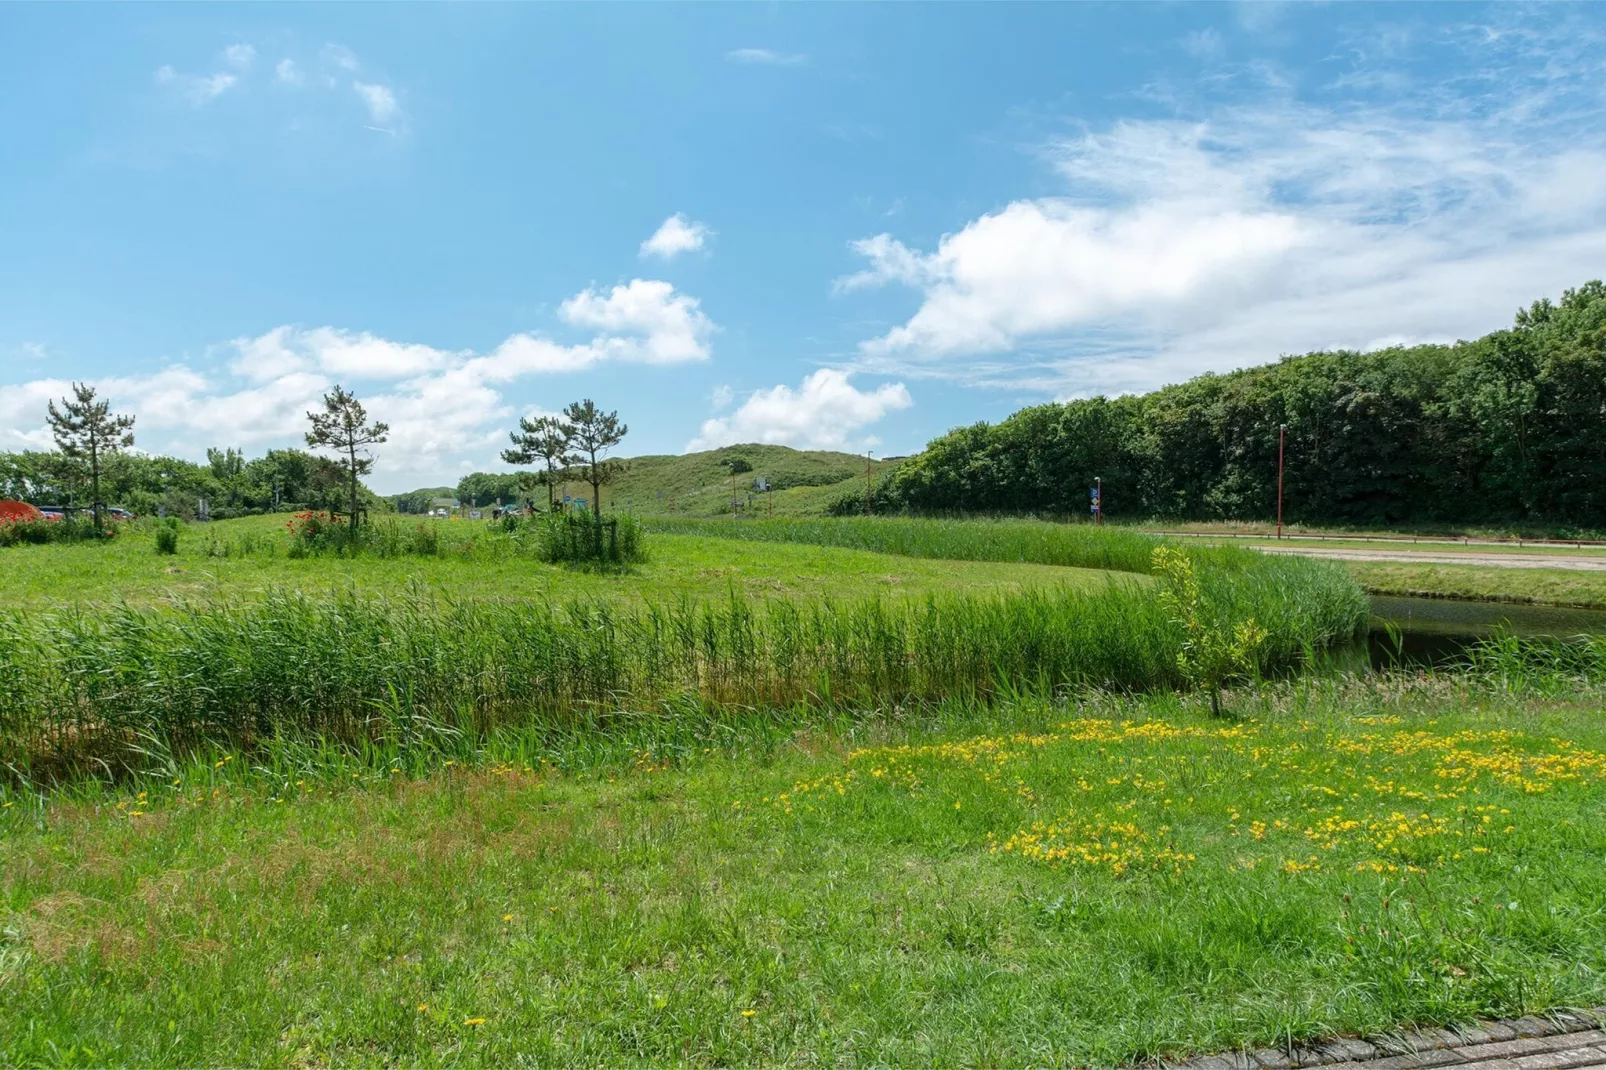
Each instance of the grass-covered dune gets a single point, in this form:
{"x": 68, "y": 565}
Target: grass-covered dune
{"x": 107, "y": 683}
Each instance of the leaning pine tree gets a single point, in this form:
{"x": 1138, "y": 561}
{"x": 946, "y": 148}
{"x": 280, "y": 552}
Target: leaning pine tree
{"x": 87, "y": 430}
{"x": 343, "y": 426}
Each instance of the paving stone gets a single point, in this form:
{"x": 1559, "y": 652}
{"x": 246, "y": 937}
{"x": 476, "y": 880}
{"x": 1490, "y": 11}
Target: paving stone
{"x": 1272, "y": 1058}
{"x": 1492, "y": 1064}
{"x": 1416, "y": 1060}
{"x": 1505, "y": 1049}
{"x": 1498, "y": 1030}
{"x": 1394, "y": 1044}
{"x": 1531, "y": 1025}
{"x": 1209, "y": 1062}
{"x": 1559, "y": 1060}
{"x": 1574, "y": 1021}
{"x": 1476, "y": 1034}
{"x": 1351, "y": 1049}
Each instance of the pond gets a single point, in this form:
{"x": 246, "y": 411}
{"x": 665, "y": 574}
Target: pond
{"x": 1434, "y": 631}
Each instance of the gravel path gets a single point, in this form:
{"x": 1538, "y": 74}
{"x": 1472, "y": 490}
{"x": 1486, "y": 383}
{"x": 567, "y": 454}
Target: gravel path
{"x": 1582, "y": 564}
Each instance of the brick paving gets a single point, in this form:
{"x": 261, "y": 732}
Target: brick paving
{"x": 1559, "y": 1041}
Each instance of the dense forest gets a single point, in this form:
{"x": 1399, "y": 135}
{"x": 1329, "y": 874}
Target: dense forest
{"x": 1508, "y": 428}
{"x": 231, "y": 484}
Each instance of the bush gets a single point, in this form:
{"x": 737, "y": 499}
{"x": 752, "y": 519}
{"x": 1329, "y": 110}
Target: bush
{"x": 587, "y": 539}
{"x": 167, "y": 535}
{"x": 67, "y": 529}
{"x": 314, "y": 533}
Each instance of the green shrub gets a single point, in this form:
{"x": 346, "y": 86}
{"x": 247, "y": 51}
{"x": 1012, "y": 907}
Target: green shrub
{"x": 167, "y": 535}
{"x": 561, "y": 538}
{"x": 71, "y": 528}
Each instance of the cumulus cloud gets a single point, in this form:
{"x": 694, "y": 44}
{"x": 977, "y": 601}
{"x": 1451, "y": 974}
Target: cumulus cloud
{"x": 288, "y": 72}
{"x": 676, "y": 235}
{"x": 239, "y": 56}
{"x": 443, "y": 405}
{"x": 645, "y": 320}
{"x": 765, "y": 56}
{"x": 380, "y": 101}
{"x": 824, "y": 413}
{"x": 1277, "y": 225}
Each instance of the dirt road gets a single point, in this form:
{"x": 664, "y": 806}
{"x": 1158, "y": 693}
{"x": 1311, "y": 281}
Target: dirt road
{"x": 1581, "y": 564}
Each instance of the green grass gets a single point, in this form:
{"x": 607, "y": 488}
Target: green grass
{"x": 708, "y": 890}
{"x": 1542, "y": 586}
{"x": 129, "y": 569}
{"x": 806, "y": 482}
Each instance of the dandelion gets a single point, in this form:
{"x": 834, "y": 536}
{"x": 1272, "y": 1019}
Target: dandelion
{"x": 422, "y": 1007}
{"x": 473, "y": 1021}
{"x": 748, "y": 1013}
{"x": 507, "y": 917}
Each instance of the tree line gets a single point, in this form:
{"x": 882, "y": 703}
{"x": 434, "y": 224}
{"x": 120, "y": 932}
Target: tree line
{"x": 92, "y": 465}
{"x": 570, "y": 447}
{"x": 1508, "y": 428}
{"x": 92, "y": 462}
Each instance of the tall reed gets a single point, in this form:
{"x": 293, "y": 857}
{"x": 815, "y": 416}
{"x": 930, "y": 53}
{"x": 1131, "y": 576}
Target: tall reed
{"x": 76, "y": 683}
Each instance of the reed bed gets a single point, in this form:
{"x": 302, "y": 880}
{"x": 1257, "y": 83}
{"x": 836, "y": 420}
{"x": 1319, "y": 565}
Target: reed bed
{"x": 103, "y": 684}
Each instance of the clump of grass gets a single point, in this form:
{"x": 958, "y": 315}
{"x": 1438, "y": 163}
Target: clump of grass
{"x": 167, "y": 531}
{"x": 562, "y": 539}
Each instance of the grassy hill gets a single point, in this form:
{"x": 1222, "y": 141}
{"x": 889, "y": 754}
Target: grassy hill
{"x": 806, "y": 482}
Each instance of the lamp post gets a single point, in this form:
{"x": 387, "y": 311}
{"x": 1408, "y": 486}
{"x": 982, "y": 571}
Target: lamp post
{"x": 1098, "y": 486}
{"x": 1282, "y": 435}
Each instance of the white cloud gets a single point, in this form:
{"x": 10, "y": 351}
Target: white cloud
{"x": 196, "y": 89}
{"x": 1180, "y": 246}
{"x": 824, "y": 413}
{"x": 335, "y": 352}
{"x": 288, "y": 72}
{"x": 645, "y": 320}
{"x": 676, "y": 235}
{"x": 443, "y": 405}
{"x": 765, "y": 56}
{"x": 239, "y": 56}
{"x": 722, "y": 397}
{"x": 380, "y": 101}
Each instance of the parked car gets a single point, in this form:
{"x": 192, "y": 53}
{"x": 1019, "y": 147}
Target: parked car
{"x": 52, "y": 512}
{"x": 117, "y": 512}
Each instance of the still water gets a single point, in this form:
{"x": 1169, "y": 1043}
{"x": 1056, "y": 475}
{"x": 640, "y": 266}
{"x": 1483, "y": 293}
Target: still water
{"x": 1434, "y": 631}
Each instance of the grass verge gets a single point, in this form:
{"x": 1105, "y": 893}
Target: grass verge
{"x": 1539, "y": 586}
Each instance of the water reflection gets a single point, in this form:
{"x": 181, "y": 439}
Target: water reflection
{"x": 1435, "y": 631}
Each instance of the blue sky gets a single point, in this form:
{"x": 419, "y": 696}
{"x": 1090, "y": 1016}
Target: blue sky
{"x": 836, "y": 226}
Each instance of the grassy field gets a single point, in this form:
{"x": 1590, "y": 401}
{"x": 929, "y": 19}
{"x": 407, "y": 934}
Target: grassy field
{"x": 1086, "y": 882}
{"x": 1555, "y": 587}
{"x": 242, "y": 558}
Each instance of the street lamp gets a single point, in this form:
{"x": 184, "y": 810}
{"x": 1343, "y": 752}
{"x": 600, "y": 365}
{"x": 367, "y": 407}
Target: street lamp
{"x": 1282, "y": 435}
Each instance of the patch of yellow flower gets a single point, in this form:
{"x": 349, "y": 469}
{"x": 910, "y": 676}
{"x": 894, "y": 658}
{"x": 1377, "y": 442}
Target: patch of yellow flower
{"x": 1119, "y": 846}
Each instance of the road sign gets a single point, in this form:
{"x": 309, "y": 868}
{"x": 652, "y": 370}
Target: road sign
{"x": 761, "y": 484}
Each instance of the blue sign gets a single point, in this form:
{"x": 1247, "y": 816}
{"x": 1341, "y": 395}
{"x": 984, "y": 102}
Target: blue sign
{"x": 1094, "y": 494}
